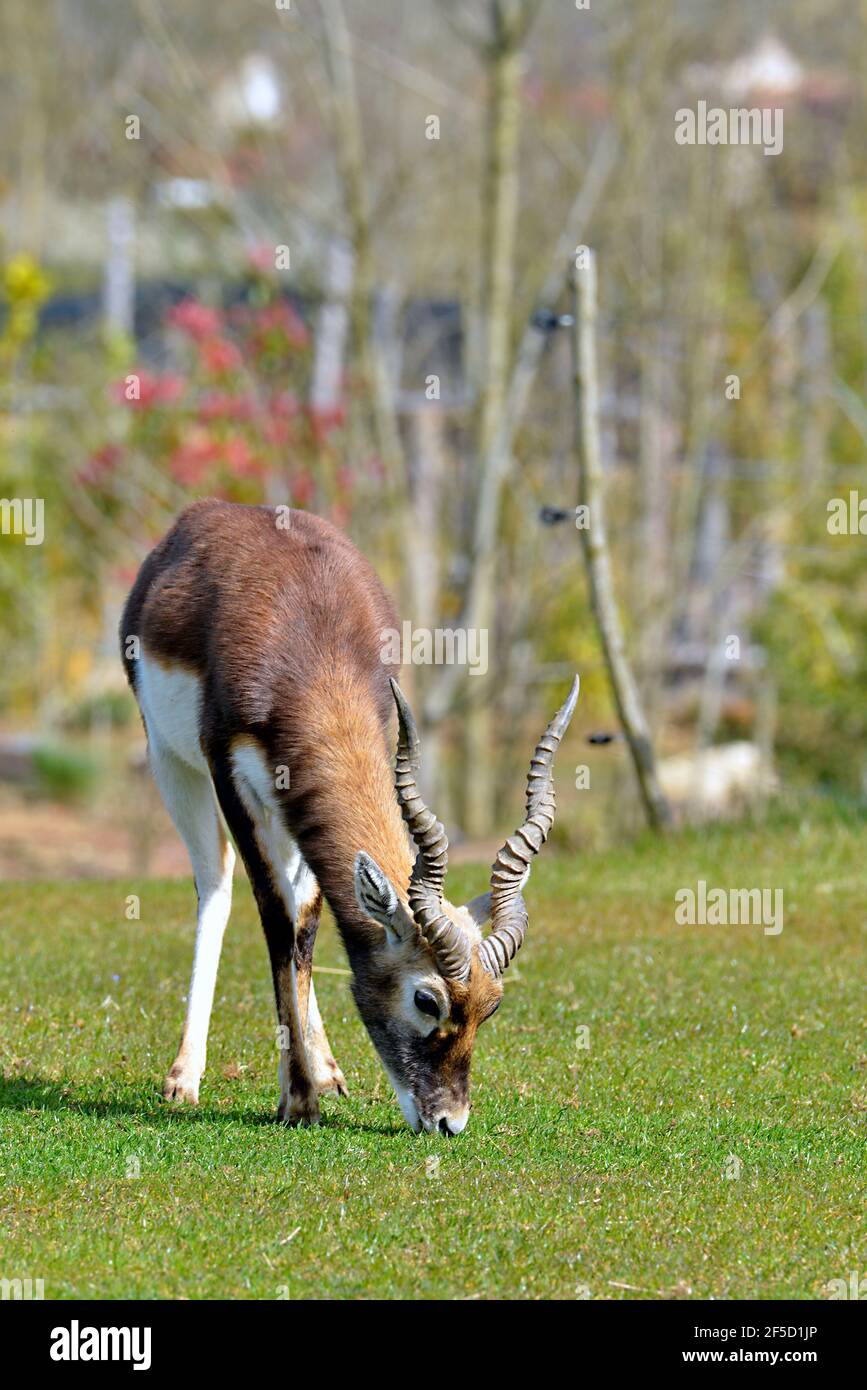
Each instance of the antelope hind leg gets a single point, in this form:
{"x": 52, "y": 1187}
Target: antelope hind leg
{"x": 189, "y": 798}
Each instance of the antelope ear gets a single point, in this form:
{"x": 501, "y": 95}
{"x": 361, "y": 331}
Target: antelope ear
{"x": 479, "y": 908}
{"x": 377, "y": 898}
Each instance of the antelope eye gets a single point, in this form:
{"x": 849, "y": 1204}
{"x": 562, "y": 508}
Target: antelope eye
{"x": 427, "y": 1003}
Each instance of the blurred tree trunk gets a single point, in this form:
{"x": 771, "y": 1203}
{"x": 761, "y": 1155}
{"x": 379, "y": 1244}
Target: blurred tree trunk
{"x": 26, "y": 43}
{"x": 374, "y": 366}
{"x": 653, "y": 533}
{"x": 429, "y": 465}
{"x": 332, "y": 325}
{"x": 331, "y": 333}
{"x": 595, "y": 542}
{"x": 505, "y": 61}
{"x": 118, "y": 290}
{"x": 816, "y": 362}
{"x": 496, "y": 465}
{"x": 506, "y": 377}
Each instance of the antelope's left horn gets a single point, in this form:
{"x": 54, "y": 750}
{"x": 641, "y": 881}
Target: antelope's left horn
{"x": 511, "y": 867}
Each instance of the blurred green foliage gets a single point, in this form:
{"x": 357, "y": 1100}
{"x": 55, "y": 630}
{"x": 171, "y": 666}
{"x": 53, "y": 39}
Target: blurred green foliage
{"x": 65, "y": 774}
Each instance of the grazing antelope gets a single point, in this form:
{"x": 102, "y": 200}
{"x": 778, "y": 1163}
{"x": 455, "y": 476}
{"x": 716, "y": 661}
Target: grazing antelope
{"x": 252, "y": 640}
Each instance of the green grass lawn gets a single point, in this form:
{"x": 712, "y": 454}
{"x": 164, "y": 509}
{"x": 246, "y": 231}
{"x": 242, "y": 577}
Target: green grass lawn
{"x": 585, "y": 1172}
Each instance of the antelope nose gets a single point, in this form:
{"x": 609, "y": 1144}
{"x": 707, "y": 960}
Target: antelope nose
{"x": 450, "y": 1125}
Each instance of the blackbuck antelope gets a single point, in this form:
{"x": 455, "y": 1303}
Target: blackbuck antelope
{"x": 252, "y": 639}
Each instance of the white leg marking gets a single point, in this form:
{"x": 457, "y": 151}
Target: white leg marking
{"x": 255, "y": 787}
{"x": 326, "y": 1072}
{"x": 298, "y": 888}
{"x": 190, "y": 800}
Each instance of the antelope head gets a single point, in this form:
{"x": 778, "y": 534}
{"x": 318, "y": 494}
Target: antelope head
{"x": 436, "y": 978}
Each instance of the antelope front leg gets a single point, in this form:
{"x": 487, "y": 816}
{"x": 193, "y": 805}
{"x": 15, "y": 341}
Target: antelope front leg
{"x": 272, "y": 888}
{"x": 308, "y": 908}
{"x": 299, "y": 1103}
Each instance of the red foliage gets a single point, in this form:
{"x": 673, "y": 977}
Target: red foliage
{"x": 277, "y": 432}
{"x": 303, "y": 489}
{"x": 229, "y": 426}
{"x": 261, "y": 257}
{"x": 284, "y": 406}
{"x": 194, "y": 456}
{"x": 99, "y": 465}
{"x": 152, "y": 389}
{"x": 227, "y": 405}
{"x": 196, "y": 320}
{"x": 325, "y": 420}
{"x": 220, "y": 356}
{"x": 280, "y": 317}
{"x": 240, "y": 459}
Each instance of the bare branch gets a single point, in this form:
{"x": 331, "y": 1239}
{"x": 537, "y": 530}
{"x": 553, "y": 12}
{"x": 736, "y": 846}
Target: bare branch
{"x": 495, "y": 466}
{"x": 595, "y": 542}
